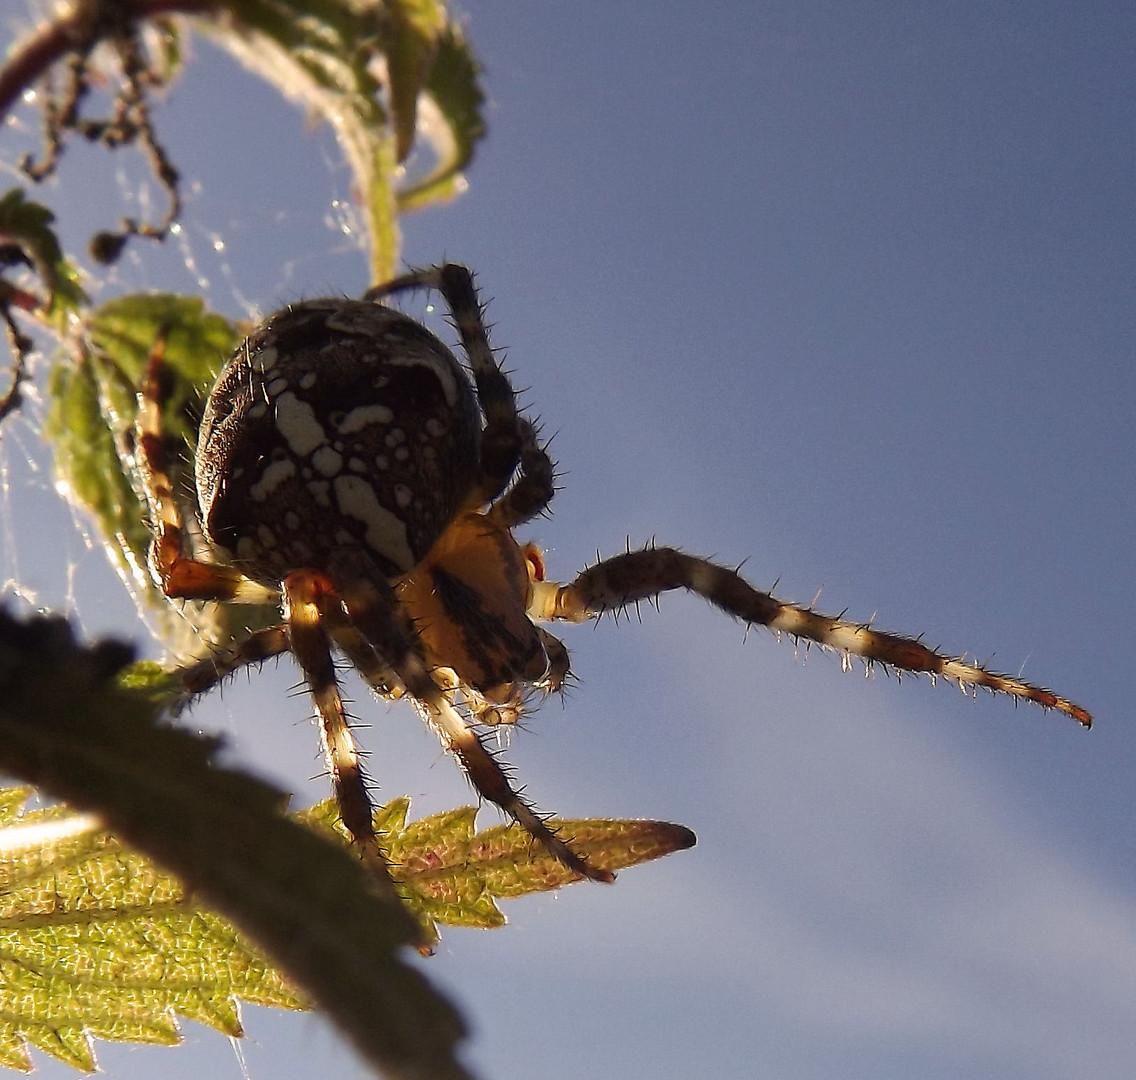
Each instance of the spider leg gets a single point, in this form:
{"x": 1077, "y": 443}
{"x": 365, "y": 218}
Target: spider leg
{"x": 612, "y": 584}
{"x": 559, "y": 665}
{"x": 375, "y": 671}
{"x": 306, "y": 594}
{"x": 176, "y": 574}
{"x": 534, "y": 486}
{"x": 368, "y": 601}
{"x": 501, "y": 438}
{"x": 202, "y": 675}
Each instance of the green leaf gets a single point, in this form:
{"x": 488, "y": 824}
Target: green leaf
{"x": 123, "y": 335}
{"x": 195, "y": 342}
{"x": 453, "y": 875}
{"x": 97, "y": 942}
{"x": 95, "y": 939}
{"x": 67, "y": 727}
{"x": 341, "y": 60}
{"x": 456, "y": 127}
{"x": 93, "y": 395}
{"x": 412, "y": 33}
{"x": 87, "y": 467}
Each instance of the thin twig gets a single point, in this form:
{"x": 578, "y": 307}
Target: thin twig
{"x": 54, "y": 40}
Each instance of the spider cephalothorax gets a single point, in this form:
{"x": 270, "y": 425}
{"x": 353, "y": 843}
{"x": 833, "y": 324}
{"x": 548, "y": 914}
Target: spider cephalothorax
{"x": 347, "y": 465}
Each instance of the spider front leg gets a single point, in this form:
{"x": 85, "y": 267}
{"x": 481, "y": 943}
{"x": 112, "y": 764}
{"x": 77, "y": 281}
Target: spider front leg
{"x": 614, "y": 583}
{"x": 534, "y": 486}
{"x": 501, "y": 439}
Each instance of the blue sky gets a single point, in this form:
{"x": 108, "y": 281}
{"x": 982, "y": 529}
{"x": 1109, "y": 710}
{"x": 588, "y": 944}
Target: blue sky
{"x": 846, "y": 294}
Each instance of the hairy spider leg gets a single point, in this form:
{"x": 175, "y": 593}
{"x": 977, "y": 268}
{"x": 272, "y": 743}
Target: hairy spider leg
{"x": 367, "y": 601}
{"x": 307, "y": 594}
{"x": 534, "y": 486}
{"x": 559, "y": 663}
{"x": 260, "y": 645}
{"x": 614, "y": 583}
{"x": 176, "y": 574}
{"x": 500, "y": 439}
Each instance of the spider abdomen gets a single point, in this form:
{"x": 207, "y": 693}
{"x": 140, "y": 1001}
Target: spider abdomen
{"x": 337, "y": 423}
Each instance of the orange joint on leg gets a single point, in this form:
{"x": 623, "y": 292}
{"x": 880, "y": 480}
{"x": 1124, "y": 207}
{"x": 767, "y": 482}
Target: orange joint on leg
{"x": 306, "y": 592}
{"x": 187, "y": 579}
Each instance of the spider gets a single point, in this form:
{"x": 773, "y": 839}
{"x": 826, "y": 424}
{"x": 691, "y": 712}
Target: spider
{"x": 348, "y": 468}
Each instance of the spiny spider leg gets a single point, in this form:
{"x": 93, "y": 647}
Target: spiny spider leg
{"x": 614, "y": 583}
{"x": 176, "y": 574}
{"x": 367, "y": 600}
{"x": 306, "y": 594}
{"x": 534, "y": 486}
{"x": 260, "y": 645}
{"x": 500, "y": 439}
{"x": 559, "y": 663}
